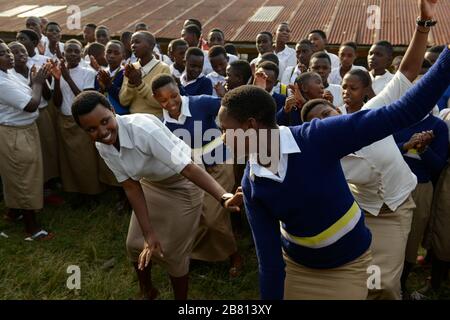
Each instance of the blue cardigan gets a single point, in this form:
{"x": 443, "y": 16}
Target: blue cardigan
{"x": 204, "y": 111}
{"x": 314, "y": 194}
{"x": 202, "y": 85}
{"x": 434, "y": 159}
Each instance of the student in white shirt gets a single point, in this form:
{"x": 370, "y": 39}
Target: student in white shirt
{"x": 379, "y": 60}
{"x": 347, "y": 56}
{"x": 216, "y": 37}
{"x": 286, "y": 55}
{"x": 34, "y": 23}
{"x": 55, "y": 47}
{"x": 304, "y": 51}
{"x": 20, "y": 150}
{"x": 319, "y": 40}
{"x": 79, "y": 170}
{"x": 177, "y": 50}
{"x": 264, "y": 41}
{"x": 320, "y": 63}
{"x": 219, "y": 62}
{"x": 154, "y": 168}
{"x": 30, "y": 40}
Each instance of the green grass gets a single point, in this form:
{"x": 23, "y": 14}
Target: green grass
{"x": 89, "y": 238}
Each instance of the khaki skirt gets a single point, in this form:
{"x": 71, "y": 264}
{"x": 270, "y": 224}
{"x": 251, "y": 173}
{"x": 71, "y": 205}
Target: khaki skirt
{"x": 78, "y": 158}
{"x": 49, "y": 144}
{"x": 348, "y": 282}
{"x": 174, "y": 208}
{"x": 440, "y": 217}
{"x": 21, "y": 167}
{"x": 215, "y": 240}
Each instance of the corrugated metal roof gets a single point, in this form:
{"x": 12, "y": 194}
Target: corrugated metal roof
{"x": 343, "y": 20}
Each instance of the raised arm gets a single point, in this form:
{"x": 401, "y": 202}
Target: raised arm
{"x": 412, "y": 61}
{"x": 352, "y": 132}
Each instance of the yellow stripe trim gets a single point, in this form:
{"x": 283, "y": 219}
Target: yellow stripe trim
{"x": 328, "y": 233}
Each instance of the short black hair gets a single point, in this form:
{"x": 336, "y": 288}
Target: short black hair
{"x": 86, "y": 101}
{"x": 363, "y": 76}
{"x": 436, "y": 49}
{"x": 174, "y": 44}
{"x": 387, "y": 45}
{"x": 216, "y": 51}
{"x": 269, "y": 56}
{"x": 194, "y": 22}
{"x": 148, "y": 36}
{"x": 194, "y": 51}
{"x": 304, "y": 77}
{"x": 141, "y": 26}
{"x": 91, "y": 25}
{"x": 311, "y": 104}
{"x": 126, "y": 34}
{"x": 192, "y": 28}
{"x": 161, "y": 80}
{"x": 217, "y": 30}
{"x": 321, "y": 33}
{"x": 73, "y": 41}
{"x": 269, "y": 65}
{"x": 231, "y": 49}
{"x": 267, "y": 33}
{"x": 249, "y": 101}
{"x": 321, "y": 55}
{"x": 52, "y": 23}
{"x": 34, "y": 37}
{"x": 117, "y": 42}
{"x": 426, "y": 64}
{"x": 350, "y": 44}
{"x": 102, "y": 27}
{"x": 243, "y": 68}
{"x": 305, "y": 42}
{"x": 95, "y": 48}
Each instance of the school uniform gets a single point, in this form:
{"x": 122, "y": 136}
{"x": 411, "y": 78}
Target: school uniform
{"x": 335, "y": 61}
{"x": 207, "y": 67}
{"x": 37, "y": 60}
{"x": 335, "y": 75}
{"x": 196, "y": 87}
{"x": 290, "y": 74}
{"x": 313, "y": 231}
{"x": 379, "y": 82}
{"x": 43, "y": 42}
{"x": 51, "y": 55}
{"x": 281, "y": 65}
{"x": 292, "y": 118}
{"x": 427, "y": 166}
{"x": 47, "y": 134}
{"x": 214, "y": 239}
{"x": 21, "y": 166}
{"x": 114, "y": 91}
{"x": 215, "y": 79}
{"x": 151, "y": 154}
{"x": 336, "y": 91}
{"x": 444, "y": 102}
{"x": 174, "y": 71}
{"x": 288, "y": 57}
{"x": 140, "y": 99}
{"x": 78, "y": 158}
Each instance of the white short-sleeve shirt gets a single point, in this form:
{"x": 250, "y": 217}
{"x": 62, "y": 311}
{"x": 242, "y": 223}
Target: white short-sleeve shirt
{"x": 290, "y": 74}
{"x": 49, "y": 54}
{"x": 27, "y": 81}
{"x": 379, "y": 82}
{"x": 335, "y": 61}
{"x": 148, "y": 149}
{"x": 336, "y": 91}
{"x": 84, "y": 78}
{"x": 335, "y": 75}
{"x": 388, "y": 178}
{"x": 287, "y": 57}
{"x": 14, "y": 97}
{"x": 38, "y": 60}
{"x": 215, "y": 78}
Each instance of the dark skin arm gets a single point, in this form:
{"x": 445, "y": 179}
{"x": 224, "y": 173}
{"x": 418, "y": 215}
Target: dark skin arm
{"x": 56, "y": 73}
{"x": 66, "y": 75}
{"x": 38, "y": 79}
{"x": 412, "y": 61}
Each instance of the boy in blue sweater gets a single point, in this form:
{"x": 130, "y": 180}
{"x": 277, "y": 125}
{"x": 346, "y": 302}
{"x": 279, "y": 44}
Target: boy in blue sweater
{"x": 192, "y": 119}
{"x": 324, "y": 243}
{"x": 192, "y": 80}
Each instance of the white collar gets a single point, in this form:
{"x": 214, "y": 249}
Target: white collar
{"x": 174, "y": 71}
{"x": 185, "y": 112}
{"x": 184, "y": 81}
{"x": 148, "y": 67}
{"x": 284, "y": 51}
{"x": 288, "y": 145}
{"x": 113, "y": 72}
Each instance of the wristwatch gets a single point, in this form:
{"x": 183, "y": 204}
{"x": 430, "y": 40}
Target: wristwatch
{"x": 426, "y": 23}
{"x": 224, "y": 198}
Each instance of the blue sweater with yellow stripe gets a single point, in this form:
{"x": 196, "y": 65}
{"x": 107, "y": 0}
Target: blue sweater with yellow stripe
{"x": 314, "y": 196}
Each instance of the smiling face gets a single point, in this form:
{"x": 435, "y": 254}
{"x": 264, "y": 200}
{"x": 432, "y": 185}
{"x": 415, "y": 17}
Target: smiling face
{"x": 219, "y": 64}
{"x": 353, "y": 91}
{"x": 20, "y": 54}
{"x": 169, "y": 99}
{"x": 6, "y": 58}
{"x": 194, "y": 67}
{"x": 100, "y": 124}
{"x": 72, "y": 54}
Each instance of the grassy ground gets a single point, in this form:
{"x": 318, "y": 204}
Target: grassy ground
{"x": 94, "y": 240}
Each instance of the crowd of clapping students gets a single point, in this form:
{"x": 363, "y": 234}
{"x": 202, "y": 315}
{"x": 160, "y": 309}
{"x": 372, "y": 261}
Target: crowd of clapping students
{"x": 368, "y": 175}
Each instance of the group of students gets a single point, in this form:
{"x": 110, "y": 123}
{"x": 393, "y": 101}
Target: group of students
{"x": 360, "y": 179}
